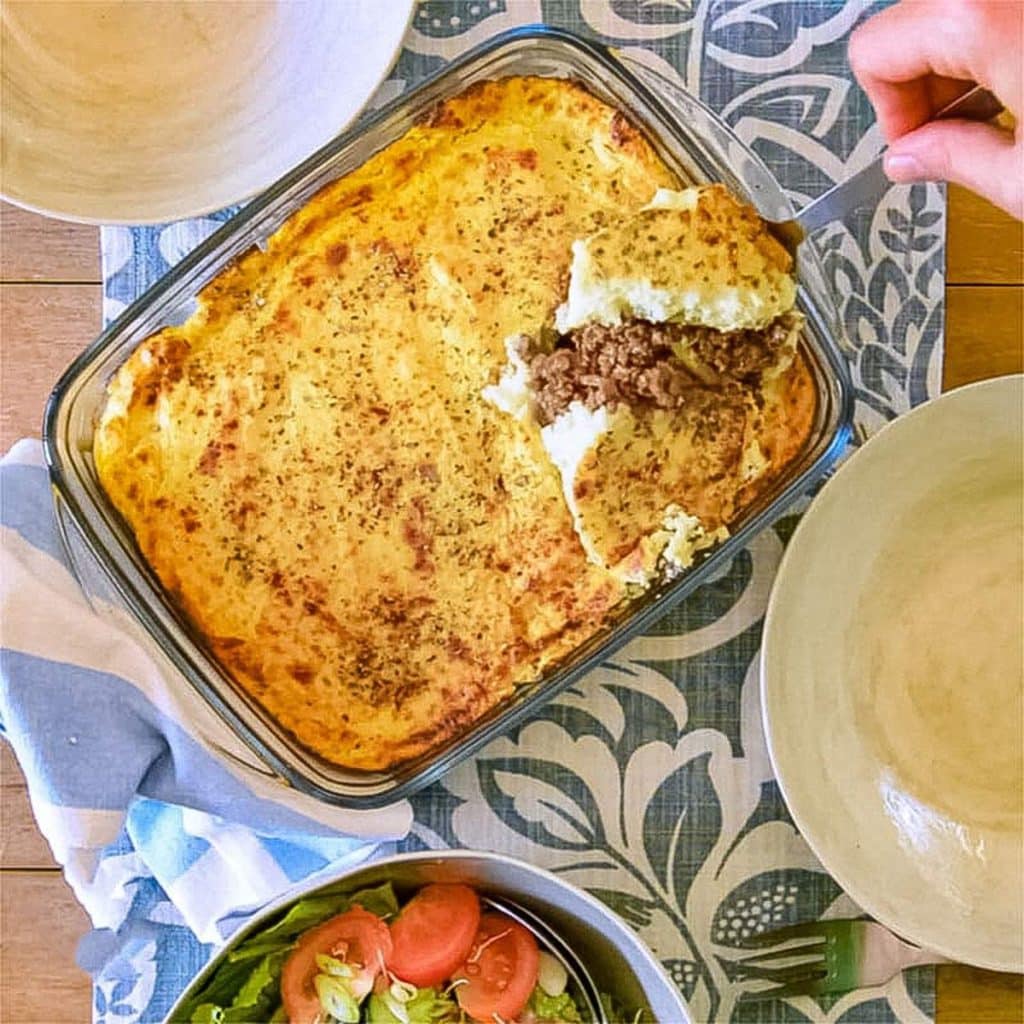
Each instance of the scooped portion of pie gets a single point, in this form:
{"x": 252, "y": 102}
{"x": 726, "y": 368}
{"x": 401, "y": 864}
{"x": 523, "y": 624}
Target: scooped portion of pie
{"x": 670, "y": 384}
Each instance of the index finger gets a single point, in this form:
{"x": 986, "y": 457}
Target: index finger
{"x": 914, "y": 58}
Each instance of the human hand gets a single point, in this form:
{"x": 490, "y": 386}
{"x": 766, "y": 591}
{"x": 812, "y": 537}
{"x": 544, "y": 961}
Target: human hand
{"x": 915, "y": 58}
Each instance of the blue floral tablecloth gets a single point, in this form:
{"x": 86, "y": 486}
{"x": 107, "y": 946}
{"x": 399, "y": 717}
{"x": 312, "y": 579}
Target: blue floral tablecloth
{"x": 649, "y": 783}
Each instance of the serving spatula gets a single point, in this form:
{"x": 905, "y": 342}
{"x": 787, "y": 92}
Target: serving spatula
{"x": 867, "y": 186}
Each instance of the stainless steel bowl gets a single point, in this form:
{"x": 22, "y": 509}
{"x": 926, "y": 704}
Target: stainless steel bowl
{"x": 617, "y": 961}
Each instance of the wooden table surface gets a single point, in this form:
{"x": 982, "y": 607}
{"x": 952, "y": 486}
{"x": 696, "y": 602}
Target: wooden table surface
{"x": 50, "y": 308}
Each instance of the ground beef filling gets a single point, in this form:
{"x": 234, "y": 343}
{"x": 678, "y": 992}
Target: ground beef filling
{"x": 636, "y": 363}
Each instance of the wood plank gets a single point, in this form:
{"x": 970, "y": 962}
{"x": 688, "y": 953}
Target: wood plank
{"x": 37, "y": 248}
{"x": 984, "y": 333}
{"x": 983, "y": 339}
{"x": 42, "y": 328}
{"x": 984, "y": 244}
{"x": 965, "y": 994}
{"x": 21, "y": 844}
{"x": 40, "y": 925}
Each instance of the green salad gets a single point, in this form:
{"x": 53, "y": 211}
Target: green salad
{"x": 337, "y": 958}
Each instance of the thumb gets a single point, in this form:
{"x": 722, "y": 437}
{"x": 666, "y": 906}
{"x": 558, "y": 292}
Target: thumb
{"x": 980, "y": 157}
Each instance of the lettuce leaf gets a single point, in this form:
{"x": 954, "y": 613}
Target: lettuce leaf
{"x": 220, "y": 989}
{"x": 613, "y": 1010}
{"x": 246, "y": 985}
{"x": 312, "y": 911}
{"x": 428, "y": 1006}
{"x": 554, "y": 1008}
{"x": 207, "y": 1013}
{"x": 261, "y": 994}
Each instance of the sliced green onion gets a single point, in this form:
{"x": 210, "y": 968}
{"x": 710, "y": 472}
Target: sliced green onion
{"x": 336, "y": 999}
{"x": 551, "y": 974}
{"x": 397, "y": 1009}
{"x": 402, "y": 990}
{"x": 334, "y": 967}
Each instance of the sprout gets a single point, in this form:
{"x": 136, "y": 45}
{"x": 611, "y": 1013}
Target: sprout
{"x": 475, "y": 955}
{"x": 336, "y": 999}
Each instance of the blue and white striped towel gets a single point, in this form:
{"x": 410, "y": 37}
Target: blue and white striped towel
{"x": 118, "y": 759}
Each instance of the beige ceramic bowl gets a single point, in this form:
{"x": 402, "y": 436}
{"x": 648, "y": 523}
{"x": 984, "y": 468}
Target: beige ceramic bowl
{"x": 892, "y": 675}
{"x": 140, "y": 112}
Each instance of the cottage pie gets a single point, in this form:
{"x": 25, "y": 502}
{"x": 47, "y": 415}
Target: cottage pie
{"x": 470, "y": 399}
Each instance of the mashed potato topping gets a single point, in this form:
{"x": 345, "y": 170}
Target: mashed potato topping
{"x": 697, "y": 255}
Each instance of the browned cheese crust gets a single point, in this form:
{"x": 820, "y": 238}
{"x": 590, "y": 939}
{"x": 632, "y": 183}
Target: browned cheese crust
{"x": 374, "y": 552}
{"x": 722, "y": 243}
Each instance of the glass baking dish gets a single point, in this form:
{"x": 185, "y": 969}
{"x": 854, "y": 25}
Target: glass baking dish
{"x": 691, "y": 140}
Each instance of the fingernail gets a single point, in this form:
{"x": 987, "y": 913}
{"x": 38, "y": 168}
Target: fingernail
{"x": 902, "y": 167}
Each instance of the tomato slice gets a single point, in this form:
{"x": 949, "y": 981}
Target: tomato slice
{"x": 357, "y": 937}
{"x": 500, "y": 971}
{"x": 433, "y": 933}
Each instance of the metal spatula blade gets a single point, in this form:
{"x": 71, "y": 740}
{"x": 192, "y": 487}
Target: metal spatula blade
{"x": 866, "y": 187}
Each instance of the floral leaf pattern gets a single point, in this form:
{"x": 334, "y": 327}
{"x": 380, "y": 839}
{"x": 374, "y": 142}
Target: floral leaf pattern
{"x": 648, "y": 783}
{"x": 770, "y": 900}
{"x": 778, "y": 1013}
{"x": 673, "y": 861}
{"x": 634, "y": 909}
{"x": 558, "y": 811}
